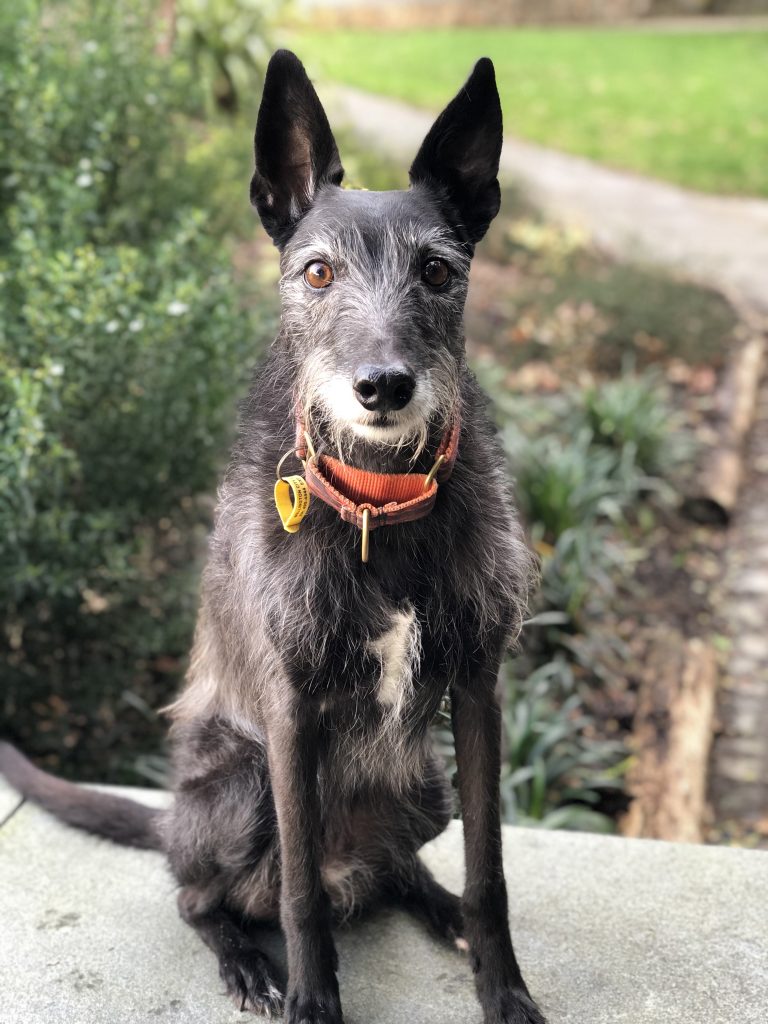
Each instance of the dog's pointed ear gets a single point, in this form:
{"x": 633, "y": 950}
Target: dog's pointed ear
{"x": 459, "y": 158}
{"x": 294, "y": 146}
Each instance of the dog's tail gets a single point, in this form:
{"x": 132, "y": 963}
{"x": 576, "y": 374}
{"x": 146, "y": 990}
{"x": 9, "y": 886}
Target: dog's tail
{"x": 113, "y": 817}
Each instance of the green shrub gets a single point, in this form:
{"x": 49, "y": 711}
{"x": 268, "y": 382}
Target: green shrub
{"x": 90, "y": 142}
{"x": 122, "y": 350}
{"x": 119, "y": 366}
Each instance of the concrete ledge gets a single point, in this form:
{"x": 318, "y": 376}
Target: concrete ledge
{"x": 609, "y": 931}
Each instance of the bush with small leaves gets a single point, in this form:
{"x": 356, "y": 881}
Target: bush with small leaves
{"x": 122, "y": 350}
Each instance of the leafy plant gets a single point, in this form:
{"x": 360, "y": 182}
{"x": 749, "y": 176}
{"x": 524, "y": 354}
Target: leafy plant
{"x": 579, "y": 566}
{"x": 633, "y": 411}
{"x": 589, "y": 459}
{"x": 554, "y": 773}
{"x": 90, "y": 151}
{"x": 585, "y": 466}
{"x": 566, "y": 483}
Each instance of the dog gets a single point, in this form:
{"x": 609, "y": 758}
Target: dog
{"x": 393, "y": 569}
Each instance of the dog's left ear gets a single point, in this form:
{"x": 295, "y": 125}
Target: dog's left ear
{"x": 459, "y": 158}
{"x": 294, "y": 145}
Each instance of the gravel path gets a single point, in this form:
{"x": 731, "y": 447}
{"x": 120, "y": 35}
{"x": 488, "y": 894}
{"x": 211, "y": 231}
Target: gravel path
{"x": 715, "y": 240}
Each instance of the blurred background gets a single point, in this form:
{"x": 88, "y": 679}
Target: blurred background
{"x": 617, "y": 315}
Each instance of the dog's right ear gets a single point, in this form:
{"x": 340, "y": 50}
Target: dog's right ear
{"x": 459, "y": 159}
{"x": 295, "y": 149}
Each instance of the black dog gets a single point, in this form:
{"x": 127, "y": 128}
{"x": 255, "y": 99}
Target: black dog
{"x": 305, "y": 777}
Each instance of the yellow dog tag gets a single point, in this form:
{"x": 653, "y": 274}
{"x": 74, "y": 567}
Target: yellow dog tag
{"x": 292, "y": 501}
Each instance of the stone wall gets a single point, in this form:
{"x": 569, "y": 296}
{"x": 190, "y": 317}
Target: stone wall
{"x": 405, "y": 13}
{"x": 431, "y": 13}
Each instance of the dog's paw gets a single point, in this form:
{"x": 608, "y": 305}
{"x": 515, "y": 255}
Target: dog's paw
{"x": 252, "y": 984}
{"x": 443, "y": 917}
{"x": 439, "y": 909}
{"x": 311, "y": 1008}
{"x": 512, "y": 1006}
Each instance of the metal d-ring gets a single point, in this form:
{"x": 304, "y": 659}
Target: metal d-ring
{"x": 365, "y": 530}
{"x": 282, "y": 460}
{"x": 433, "y": 472}
{"x": 292, "y": 451}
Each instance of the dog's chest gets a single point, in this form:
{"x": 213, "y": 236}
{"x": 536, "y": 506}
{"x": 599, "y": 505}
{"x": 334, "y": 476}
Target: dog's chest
{"x": 378, "y": 723}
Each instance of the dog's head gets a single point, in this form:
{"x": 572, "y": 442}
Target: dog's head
{"x": 374, "y": 283}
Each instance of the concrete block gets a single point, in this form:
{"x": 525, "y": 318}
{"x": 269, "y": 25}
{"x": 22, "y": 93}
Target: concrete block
{"x": 608, "y": 931}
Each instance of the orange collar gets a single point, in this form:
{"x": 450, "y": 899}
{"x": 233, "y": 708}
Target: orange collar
{"x": 370, "y": 500}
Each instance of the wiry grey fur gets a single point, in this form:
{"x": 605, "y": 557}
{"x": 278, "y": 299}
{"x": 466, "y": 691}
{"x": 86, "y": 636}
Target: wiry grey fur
{"x": 305, "y": 778}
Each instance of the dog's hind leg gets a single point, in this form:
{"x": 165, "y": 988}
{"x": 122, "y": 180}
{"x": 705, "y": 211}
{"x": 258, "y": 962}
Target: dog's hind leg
{"x": 248, "y": 974}
{"x": 425, "y": 815}
{"x": 222, "y": 847}
{"x": 415, "y": 889}
{"x": 374, "y": 856}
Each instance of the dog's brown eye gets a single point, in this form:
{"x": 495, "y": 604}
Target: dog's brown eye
{"x": 435, "y": 273}
{"x": 318, "y": 275}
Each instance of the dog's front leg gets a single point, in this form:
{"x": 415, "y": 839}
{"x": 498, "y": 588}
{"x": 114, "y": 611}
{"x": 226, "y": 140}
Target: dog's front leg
{"x": 477, "y": 732}
{"x": 313, "y": 991}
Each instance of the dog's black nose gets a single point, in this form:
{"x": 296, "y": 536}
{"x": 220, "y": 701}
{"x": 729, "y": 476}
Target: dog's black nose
{"x": 383, "y": 388}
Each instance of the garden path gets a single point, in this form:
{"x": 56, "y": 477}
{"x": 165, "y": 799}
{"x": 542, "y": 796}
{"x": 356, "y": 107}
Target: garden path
{"x": 715, "y": 240}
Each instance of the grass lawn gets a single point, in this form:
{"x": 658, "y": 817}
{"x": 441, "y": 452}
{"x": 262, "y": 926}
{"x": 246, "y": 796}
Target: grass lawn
{"x": 690, "y": 108}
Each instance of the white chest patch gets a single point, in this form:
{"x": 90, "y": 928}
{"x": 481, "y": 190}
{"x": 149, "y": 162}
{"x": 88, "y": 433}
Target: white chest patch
{"x": 398, "y": 651}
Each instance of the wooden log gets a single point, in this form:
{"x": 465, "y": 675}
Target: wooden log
{"x": 717, "y": 488}
{"x": 671, "y": 738}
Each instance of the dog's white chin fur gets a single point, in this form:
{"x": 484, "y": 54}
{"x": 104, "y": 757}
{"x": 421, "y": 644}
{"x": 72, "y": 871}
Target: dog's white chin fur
{"x": 391, "y": 432}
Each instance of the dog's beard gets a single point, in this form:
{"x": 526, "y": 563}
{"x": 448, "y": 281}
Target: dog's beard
{"x": 329, "y": 407}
